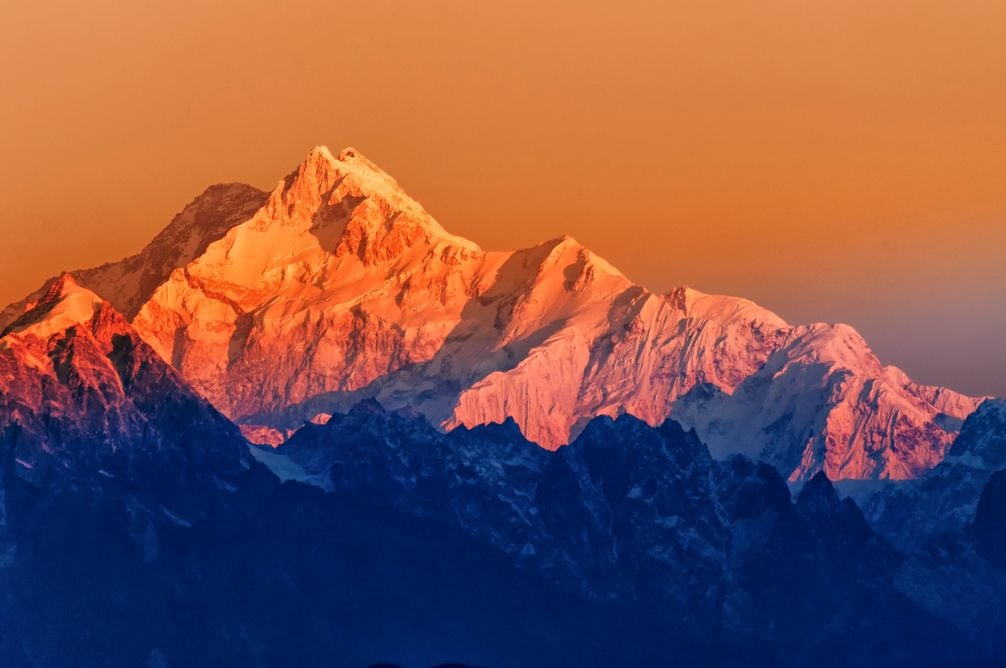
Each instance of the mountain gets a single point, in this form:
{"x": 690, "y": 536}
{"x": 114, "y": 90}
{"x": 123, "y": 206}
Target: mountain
{"x": 823, "y": 401}
{"x": 139, "y": 527}
{"x": 285, "y": 575}
{"x": 912, "y": 513}
{"x": 127, "y": 284}
{"x": 959, "y": 573}
{"x": 632, "y": 546}
{"x": 336, "y": 286}
{"x": 86, "y": 406}
{"x": 715, "y": 550}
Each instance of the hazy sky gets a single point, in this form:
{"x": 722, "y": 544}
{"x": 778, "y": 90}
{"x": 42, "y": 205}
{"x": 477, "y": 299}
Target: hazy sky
{"x": 840, "y": 161}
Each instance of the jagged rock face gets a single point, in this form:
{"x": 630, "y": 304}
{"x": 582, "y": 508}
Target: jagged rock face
{"x": 823, "y": 402}
{"x": 950, "y": 527}
{"x": 620, "y": 350}
{"x": 625, "y": 509}
{"x": 632, "y": 512}
{"x": 982, "y": 441}
{"x": 912, "y": 513}
{"x": 337, "y": 286}
{"x": 336, "y": 282}
{"x": 622, "y": 503}
{"x": 87, "y": 406}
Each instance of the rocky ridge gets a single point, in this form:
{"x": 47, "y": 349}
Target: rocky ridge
{"x": 287, "y": 307}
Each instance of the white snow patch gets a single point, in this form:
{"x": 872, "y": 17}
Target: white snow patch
{"x": 175, "y": 518}
{"x": 286, "y": 469}
{"x": 667, "y": 522}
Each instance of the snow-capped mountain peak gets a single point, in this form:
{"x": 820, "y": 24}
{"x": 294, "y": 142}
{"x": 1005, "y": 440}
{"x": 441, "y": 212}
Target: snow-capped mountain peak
{"x": 337, "y": 286}
{"x": 86, "y": 403}
{"x": 64, "y": 304}
{"x": 354, "y": 207}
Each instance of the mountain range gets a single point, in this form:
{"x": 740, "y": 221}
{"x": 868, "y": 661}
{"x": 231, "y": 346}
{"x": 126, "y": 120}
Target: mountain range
{"x": 311, "y": 427}
{"x": 282, "y": 308}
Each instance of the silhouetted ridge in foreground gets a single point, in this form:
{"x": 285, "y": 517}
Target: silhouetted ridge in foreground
{"x": 632, "y": 546}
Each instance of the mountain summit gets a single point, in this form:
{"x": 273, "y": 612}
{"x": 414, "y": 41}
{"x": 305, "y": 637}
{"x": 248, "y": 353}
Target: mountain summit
{"x": 86, "y": 404}
{"x": 288, "y": 306}
{"x": 63, "y": 304}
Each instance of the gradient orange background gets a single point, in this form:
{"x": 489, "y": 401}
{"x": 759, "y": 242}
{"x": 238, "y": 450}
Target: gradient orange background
{"x": 841, "y": 161}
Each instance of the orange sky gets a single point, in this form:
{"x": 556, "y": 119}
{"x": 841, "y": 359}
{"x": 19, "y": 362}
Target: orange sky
{"x": 840, "y": 161}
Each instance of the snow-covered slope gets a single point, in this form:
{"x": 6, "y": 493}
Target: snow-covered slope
{"x": 338, "y": 287}
{"x": 823, "y": 401}
{"x": 127, "y": 284}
